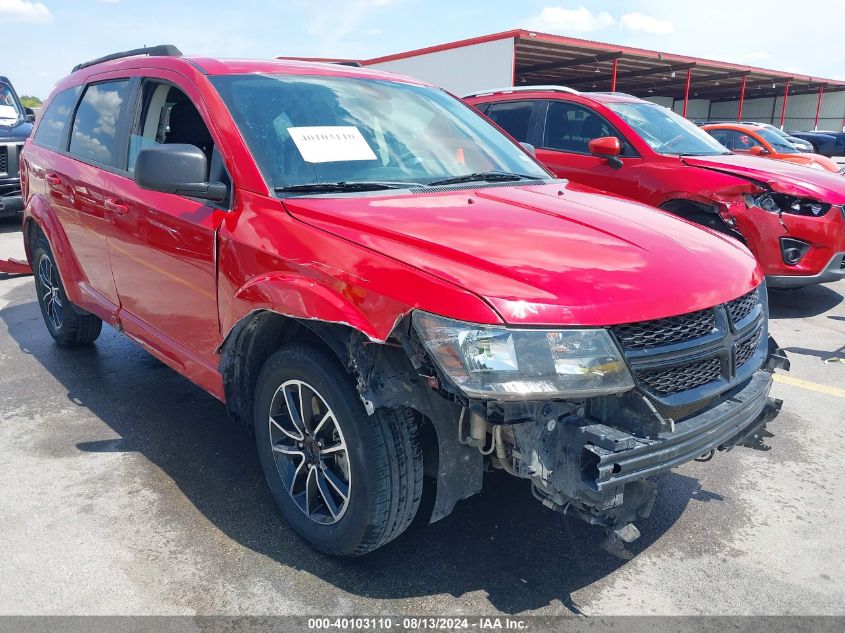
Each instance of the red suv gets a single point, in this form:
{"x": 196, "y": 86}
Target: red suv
{"x": 388, "y": 290}
{"x": 792, "y": 218}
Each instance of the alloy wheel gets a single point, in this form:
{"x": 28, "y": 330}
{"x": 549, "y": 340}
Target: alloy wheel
{"x": 310, "y": 452}
{"x": 49, "y": 291}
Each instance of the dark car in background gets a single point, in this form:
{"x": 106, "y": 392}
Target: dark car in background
{"x": 824, "y": 142}
{"x": 15, "y": 126}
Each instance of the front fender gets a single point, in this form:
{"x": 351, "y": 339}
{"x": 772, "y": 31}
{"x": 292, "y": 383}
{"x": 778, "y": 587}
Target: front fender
{"x": 302, "y": 297}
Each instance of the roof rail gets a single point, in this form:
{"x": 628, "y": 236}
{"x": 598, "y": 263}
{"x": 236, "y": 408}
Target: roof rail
{"x": 614, "y": 93}
{"x": 485, "y": 93}
{"x": 349, "y": 62}
{"x": 162, "y": 50}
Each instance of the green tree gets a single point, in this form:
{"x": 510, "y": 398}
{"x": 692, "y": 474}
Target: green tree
{"x": 29, "y": 101}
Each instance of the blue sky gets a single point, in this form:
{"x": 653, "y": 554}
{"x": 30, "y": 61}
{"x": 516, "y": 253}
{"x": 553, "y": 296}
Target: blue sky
{"x": 51, "y": 36}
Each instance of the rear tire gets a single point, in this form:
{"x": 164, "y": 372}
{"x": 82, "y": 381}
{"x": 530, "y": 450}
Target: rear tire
{"x": 375, "y": 459}
{"x": 68, "y": 327}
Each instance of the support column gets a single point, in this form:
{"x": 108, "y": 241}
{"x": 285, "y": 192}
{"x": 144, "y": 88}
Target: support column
{"x": 741, "y": 98}
{"x": 818, "y": 108}
{"x": 613, "y": 77}
{"x": 686, "y": 91}
{"x": 783, "y": 105}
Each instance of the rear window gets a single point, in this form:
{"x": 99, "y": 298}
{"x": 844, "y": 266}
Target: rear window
{"x": 51, "y": 129}
{"x": 94, "y": 136}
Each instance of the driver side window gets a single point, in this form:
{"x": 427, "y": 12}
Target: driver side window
{"x": 168, "y": 116}
{"x": 570, "y": 128}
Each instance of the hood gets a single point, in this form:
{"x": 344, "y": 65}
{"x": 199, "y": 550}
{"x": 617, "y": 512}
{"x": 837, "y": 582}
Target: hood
{"x": 781, "y": 176}
{"x": 18, "y": 131}
{"x": 555, "y": 254}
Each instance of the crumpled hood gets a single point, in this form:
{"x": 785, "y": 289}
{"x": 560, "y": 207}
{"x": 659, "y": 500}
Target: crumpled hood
{"x": 555, "y": 254}
{"x": 781, "y": 176}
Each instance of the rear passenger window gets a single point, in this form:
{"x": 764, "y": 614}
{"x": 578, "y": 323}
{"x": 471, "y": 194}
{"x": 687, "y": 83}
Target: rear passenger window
{"x": 94, "y": 136}
{"x": 513, "y": 117}
{"x": 51, "y": 129}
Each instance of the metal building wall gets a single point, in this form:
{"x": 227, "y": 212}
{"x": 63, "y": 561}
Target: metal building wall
{"x": 800, "y": 111}
{"x": 696, "y": 108}
{"x": 460, "y": 70}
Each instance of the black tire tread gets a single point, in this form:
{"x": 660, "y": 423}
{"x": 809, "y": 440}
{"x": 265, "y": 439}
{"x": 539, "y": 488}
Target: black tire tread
{"x": 395, "y": 451}
{"x": 77, "y": 329}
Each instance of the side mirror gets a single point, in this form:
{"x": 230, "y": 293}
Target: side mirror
{"x": 29, "y": 114}
{"x": 179, "y": 169}
{"x": 607, "y": 147}
{"x": 528, "y": 147}
{"x": 757, "y": 150}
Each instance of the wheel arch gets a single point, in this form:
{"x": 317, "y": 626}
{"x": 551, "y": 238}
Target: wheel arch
{"x": 703, "y": 212}
{"x": 39, "y": 218}
{"x": 384, "y": 376}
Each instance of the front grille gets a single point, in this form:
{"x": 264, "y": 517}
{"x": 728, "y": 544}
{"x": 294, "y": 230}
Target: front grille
{"x": 677, "y": 329}
{"x": 4, "y": 160}
{"x": 681, "y": 377}
{"x": 745, "y": 350}
{"x": 679, "y": 354}
{"x": 742, "y": 307}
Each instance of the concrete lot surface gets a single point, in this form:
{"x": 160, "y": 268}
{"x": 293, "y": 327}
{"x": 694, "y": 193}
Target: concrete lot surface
{"x": 124, "y": 489}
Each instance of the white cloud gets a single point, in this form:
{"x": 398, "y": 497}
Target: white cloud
{"x": 560, "y": 20}
{"x": 22, "y": 11}
{"x": 646, "y": 23}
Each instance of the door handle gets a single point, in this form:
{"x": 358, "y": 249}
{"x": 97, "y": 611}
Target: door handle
{"x": 115, "y": 207}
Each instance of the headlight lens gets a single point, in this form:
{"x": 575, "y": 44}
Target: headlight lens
{"x": 783, "y": 203}
{"x": 487, "y": 361}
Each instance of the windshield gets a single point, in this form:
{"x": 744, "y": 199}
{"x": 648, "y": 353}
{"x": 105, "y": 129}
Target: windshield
{"x": 9, "y": 109}
{"x": 666, "y": 132}
{"x": 777, "y": 141}
{"x": 307, "y": 129}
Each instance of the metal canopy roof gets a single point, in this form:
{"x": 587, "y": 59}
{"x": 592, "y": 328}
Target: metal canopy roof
{"x": 541, "y": 59}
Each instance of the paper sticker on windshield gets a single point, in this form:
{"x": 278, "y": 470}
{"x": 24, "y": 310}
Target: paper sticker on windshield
{"x": 331, "y": 143}
{"x": 8, "y": 112}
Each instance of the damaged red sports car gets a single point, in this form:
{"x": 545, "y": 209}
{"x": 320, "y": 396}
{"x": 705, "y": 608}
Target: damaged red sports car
{"x": 792, "y": 218}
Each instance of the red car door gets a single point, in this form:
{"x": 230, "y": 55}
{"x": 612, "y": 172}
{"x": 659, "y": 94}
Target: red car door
{"x": 77, "y": 184}
{"x": 163, "y": 250}
{"x": 563, "y": 147}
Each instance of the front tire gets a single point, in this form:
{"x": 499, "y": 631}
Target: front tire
{"x": 345, "y": 481}
{"x": 68, "y": 327}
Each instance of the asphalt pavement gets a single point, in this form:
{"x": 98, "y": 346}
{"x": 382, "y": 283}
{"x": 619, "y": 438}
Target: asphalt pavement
{"x": 124, "y": 489}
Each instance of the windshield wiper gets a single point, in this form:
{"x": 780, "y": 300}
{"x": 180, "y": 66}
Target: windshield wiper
{"x": 484, "y": 176}
{"x": 344, "y": 186}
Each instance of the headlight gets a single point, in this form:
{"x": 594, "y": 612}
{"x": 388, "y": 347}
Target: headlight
{"x": 783, "y": 203}
{"x": 487, "y": 361}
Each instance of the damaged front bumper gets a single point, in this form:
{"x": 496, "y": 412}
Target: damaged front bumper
{"x": 597, "y": 472}
{"x": 833, "y": 271}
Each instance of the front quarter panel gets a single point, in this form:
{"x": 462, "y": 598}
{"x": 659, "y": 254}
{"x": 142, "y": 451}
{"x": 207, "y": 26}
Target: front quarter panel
{"x": 269, "y": 260}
